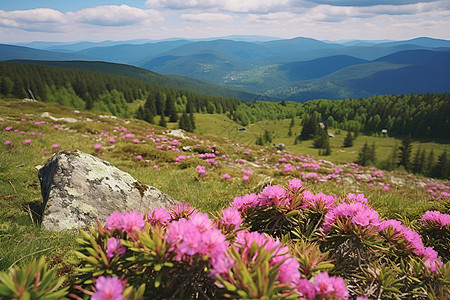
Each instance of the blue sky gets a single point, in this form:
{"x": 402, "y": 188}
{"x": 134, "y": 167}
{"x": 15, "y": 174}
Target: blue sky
{"x": 92, "y": 20}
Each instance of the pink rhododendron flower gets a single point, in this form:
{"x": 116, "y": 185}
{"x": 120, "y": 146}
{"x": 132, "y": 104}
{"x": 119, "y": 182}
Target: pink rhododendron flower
{"x": 136, "y": 141}
{"x": 127, "y": 221}
{"x": 175, "y": 142}
{"x": 54, "y": 146}
{"x": 56, "y": 127}
{"x": 245, "y": 178}
{"x": 108, "y": 288}
{"x": 245, "y": 202}
{"x": 412, "y": 238}
{"x": 27, "y": 142}
{"x": 330, "y": 287}
{"x": 274, "y": 194}
{"x": 197, "y": 236}
{"x": 226, "y": 176}
{"x": 289, "y": 269}
{"x": 8, "y": 128}
{"x": 159, "y": 215}
{"x": 231, "y": 217}
{"x": 97, "y": 146}
{"x": 294, "y": 185}
{"x": 114, "y": 246}
{"x": 358, "y": 213}
{"x": 435, "y": 219}
{"x": 306, "y": 289}
{"x": 201, "y": 170}
{"x": 155, "y": 167}
{"x": 8, "y": 142}
{"x": 138, "y": 157}
{"x": 181, "y": 210}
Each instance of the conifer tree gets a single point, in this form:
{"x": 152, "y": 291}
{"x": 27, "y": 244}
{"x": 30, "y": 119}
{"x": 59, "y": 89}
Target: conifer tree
{"x": 348, "y": 141}
{"x": 310, "y": 128}
{"x": 363, "y": 155}
{"x": 163, "y": 122}
{"x": 418, "y": 162}
{"x": 442, "y": 167}
{"x": 405, "y": 152}
{"x": 171, "y": 110}
{"x": 429, "y": 163}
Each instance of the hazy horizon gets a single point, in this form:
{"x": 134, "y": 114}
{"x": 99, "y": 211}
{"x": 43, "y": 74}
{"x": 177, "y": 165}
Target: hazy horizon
{"x": 25, "y": 21}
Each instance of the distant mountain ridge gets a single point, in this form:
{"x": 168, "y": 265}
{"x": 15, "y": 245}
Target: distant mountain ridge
{"x": 296, "y": 69}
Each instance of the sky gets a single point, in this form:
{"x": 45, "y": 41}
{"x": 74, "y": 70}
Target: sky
{"x": 94, "y": 20}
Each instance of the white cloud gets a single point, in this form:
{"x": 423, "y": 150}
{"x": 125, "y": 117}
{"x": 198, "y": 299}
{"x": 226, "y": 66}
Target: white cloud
{"x": 113, "y": 15}
{"x": 238, "y": 6}
{"x": 50, "y": 20}
{"x": 206, "y": 17}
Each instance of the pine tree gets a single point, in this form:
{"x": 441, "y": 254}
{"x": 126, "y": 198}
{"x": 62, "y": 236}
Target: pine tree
{"x": 441, "y": 169}
{"x": 348, "y": 141}
{"x": 160, "y": 103}
{"x": 291, "y": 125}
{"x": 430, "y": 163}
{"x": 417, "y": 163}
{"x": 310, "y": 128}
{"x": 171, "y": 110}
{"x": 363, "y": 155}
{"x": 192, "y": 119}
{"x": 405, "y": 152}
{"x": 163, "y": 122}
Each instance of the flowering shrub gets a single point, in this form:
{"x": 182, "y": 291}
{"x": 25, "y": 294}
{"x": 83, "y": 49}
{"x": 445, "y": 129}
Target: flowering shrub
{"x": 283, "y": 243}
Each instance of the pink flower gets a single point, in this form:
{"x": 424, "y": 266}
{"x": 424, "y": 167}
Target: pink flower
{"x": 136, "y": 141}
{"x": 435, "y": 219}
{"x": 175, "y": 142}
{"x": 273, "y": 195}
{"x": 245, "y": 178}
{"x": 56, "y": 127}
{"x": 8, "y": 128}
{"x": 294, "y": 185}
{"x": 112, "y": 140}
{"x": 358, "y": 213}
{"x": 155, "y": 167}
{"x": 54, "y": 146}
{"x": 245, "y": 202}
{"x": 138, "y": 157}
{"x": 231, "y": 217}
{"x": 333, "y": 287}
{"x": 108, "y": 288}
{"x": 201, "y": 170}
{"x": 226, "y": 176}
{"x": 27, "y": 142}
{"x": 127, "y": 221}
{"x": 8, "y": 142}
{"x": 306, "y": 289}
{"x": 114, "y": 246}
{"x": 128, "y": 136}
{"x": 97, "y": 146}
{"x": 23, "y": 120}
{"x": 158, "y": 215}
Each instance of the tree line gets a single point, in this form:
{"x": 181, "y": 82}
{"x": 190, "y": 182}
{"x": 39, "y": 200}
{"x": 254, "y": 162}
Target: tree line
{"x": 103, "y": 92}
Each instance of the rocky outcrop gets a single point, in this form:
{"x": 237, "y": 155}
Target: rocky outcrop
{"x": 78, "y": 188}
{"x": 280, "y": 147}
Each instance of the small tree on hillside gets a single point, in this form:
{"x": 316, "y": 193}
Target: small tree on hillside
{"x": 163, "y": 122}
{"x": 366, "y": 155}
{"x": 310, "y": 128}
{"x": 405, "y": 152}
{"x": 442, "y": 167}
{"x": 348, "y": 141}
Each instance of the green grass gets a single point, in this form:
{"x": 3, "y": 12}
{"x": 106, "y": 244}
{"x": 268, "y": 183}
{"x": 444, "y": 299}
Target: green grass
{"x": 21, "y": 241}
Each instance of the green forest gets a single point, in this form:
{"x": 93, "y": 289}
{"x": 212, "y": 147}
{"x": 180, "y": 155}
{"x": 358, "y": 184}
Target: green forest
{"x": 422, "y": 116}
{"x": 100, "y": 92}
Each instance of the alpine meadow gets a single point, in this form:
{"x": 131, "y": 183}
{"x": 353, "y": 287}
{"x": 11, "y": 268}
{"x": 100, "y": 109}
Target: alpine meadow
{"x": 164, "y": 149}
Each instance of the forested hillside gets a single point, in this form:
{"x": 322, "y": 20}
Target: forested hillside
{"x": 423, "y": 116}
{"x": 96, "y": 91}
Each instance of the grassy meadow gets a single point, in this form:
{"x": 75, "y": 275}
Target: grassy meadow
{"x": 393, "y": 194}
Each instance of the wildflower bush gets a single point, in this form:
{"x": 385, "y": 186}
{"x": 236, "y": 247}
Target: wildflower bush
{"x": 283, "y": 243}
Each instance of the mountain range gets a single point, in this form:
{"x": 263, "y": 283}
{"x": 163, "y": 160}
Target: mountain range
{"x": 297, "y": 69}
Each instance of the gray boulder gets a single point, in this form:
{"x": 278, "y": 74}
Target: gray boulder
{"x": 280, "y": 147}
{"x": 78, "y": 188}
